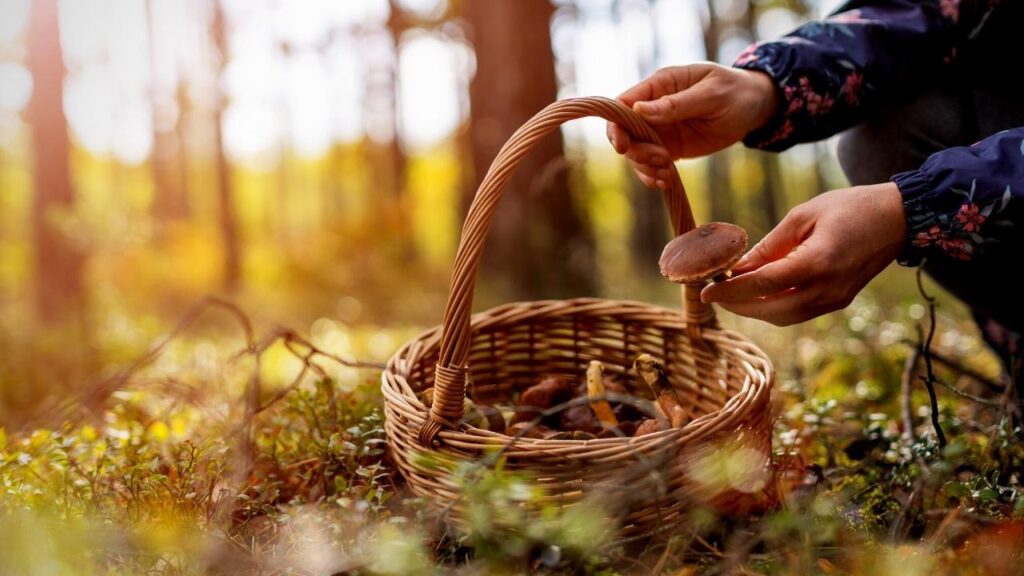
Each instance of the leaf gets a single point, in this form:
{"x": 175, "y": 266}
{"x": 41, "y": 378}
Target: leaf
{"x": 1005, "y": 199}
{"x": 956, "y": 490}
{"x": 987, "y": 495}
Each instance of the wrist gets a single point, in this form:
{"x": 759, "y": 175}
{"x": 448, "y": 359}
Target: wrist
{"x": 891, "y": 202}
{"x": 766, "y": 98}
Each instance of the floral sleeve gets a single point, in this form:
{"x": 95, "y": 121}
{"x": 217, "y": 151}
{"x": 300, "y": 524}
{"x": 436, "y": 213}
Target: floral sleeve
{"x": 832, "y": 72}
{"x": 964, "y": 201}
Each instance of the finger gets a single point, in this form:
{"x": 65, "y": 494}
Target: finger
{"x": 646, "y": 153}
{"x": 790, "y": 307}
{"x": 772, "y": 278}
{"x": 690, "y": 103}
{"x": 654, "y": 172}
{"x": 618, "y": 137}
{"x": 654, "y": 86}
{"x": 650, "y": 181}
{"x": 664, "y": 81}
{"x": 794, "y": 229}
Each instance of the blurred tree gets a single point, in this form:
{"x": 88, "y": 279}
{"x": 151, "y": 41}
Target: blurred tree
{"x": 280, "y": 215}
{"x": 650, "y": 230}
{"x": 170, "y": 196}
{"x": 803, "y": 11}
{"x": 398, "y": 23}
{"x": 225, "y": 197}
{"x": 771, "y": 180}
{"x": 720, "y": 197}
{"x": 540, "y": 243}
{"x": 59, "y": 264}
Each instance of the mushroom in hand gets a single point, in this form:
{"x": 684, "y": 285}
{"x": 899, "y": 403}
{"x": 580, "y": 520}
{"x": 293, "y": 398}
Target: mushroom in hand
{"x": 704, "y": 253}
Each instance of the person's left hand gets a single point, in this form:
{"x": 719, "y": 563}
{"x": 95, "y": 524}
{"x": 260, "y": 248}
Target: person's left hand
{"x": 818, "y": 258}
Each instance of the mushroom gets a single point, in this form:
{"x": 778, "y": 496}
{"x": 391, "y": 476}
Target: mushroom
{"x": 704, "y": 253}
{"x": 427, "y": 396}
{"x": 530, "y": 430}
{"x": 649, "y": 426}
{"x": 579, "y": 417}
{"x": 550, "y": 391}
{"x": 479, "y": 415}
{"x": 571, "y": 435}
{"x": 595, "y": 393}
{"x": 632, "y": 411}
{"x": 653, "y": 374}
{"x": 487, "y": 417}
{"x": 625, "y": 429}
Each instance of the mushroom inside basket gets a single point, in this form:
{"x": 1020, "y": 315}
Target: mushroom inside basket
{"x": 561, "y": 407}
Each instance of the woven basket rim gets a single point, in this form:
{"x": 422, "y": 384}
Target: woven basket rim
{"x": 430, "y": 339}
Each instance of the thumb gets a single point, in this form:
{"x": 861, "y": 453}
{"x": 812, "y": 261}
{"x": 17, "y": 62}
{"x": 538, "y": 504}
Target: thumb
{"x": 684, "y": 105}
{"x": 789, "y": 234}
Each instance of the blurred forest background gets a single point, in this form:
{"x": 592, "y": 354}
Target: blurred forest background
{"x": 313, "y": 160}
{"x": 309, "y": 164}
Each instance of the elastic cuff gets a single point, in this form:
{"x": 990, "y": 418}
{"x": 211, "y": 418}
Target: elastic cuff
{"x": 921, "y": 229}
{"x": 774, "y": 135}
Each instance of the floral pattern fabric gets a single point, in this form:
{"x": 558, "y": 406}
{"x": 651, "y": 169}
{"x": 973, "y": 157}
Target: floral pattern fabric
{"x": 832, "y": 73}
{"x": 959, "y": 200}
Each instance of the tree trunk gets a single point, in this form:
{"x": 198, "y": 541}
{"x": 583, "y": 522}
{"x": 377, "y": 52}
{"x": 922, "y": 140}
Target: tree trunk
{"x": 59, "y": 286}
{"x": 169, "y": 197}
{"x": 225, "y": 196}
{"x": 771, "y": 189}
{"x": 771, "y": 182}
{"x": 398, "y": 23}
{"x": 540, "y": 243}
{"x": 650, "y": 229}
{"x": 720, "y": 198}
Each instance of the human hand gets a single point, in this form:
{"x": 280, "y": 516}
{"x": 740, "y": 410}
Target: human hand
{"x": 696, "y": 109}
{"x": 818, "y": 258}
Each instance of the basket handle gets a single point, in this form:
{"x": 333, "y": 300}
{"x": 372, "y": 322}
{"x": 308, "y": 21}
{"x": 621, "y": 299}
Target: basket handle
{"x": 450, "y": 372}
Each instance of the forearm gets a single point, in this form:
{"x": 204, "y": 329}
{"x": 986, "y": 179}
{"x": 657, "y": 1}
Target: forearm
{"x": 831, "y": 73}
{"x": 966, "y": 203}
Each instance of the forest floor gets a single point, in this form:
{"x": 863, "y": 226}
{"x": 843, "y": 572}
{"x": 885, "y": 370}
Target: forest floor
{"x": 265, "y": 453}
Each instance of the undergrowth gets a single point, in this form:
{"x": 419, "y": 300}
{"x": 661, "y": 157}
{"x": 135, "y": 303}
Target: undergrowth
{"x": 177, "y": 468}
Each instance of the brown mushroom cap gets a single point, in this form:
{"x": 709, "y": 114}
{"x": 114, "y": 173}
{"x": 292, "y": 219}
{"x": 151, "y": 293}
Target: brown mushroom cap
{"x": 703, "y": 253}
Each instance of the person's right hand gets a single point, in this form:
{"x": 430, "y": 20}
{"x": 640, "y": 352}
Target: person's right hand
{"x": 696, "y": 109}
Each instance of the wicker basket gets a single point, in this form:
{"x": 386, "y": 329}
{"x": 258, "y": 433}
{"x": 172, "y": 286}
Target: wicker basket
{"x": 725, "y": 378}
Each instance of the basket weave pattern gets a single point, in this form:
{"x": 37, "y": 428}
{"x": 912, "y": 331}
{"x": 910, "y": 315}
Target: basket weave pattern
{"x": 725, "y": 379}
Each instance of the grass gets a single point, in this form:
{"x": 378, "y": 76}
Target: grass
{"x": 266, "y": 455}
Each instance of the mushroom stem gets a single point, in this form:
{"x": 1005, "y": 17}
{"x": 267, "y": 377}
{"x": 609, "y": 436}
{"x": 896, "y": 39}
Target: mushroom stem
{"x": 595, "y": 393}
{"x": 653, "y": 374}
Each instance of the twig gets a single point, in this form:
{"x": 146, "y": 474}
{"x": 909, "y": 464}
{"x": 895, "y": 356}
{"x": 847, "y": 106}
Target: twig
{"x": 968, "y": 395}
{"x": 906, "y": 386}
{"x": 659, "y": 566}
{"x": 897, "y": 528}
{"x": 967, "y": 515}
{"x": 929, "y": 379}
{"x": 958, "y": 367}
{"x": 947, "y": 521}
{"x": 98, "y": 392}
